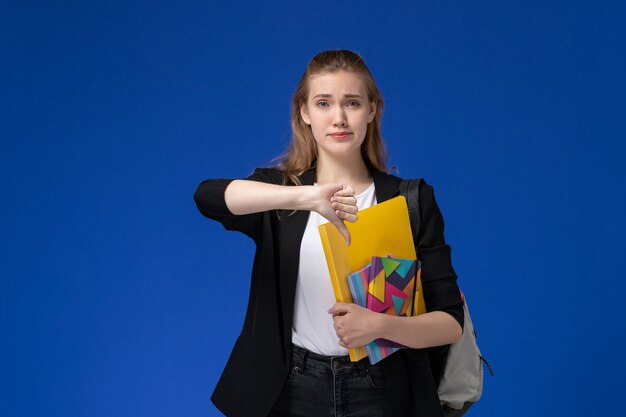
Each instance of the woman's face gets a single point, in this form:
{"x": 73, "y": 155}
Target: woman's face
{"x": 338, "y": 111}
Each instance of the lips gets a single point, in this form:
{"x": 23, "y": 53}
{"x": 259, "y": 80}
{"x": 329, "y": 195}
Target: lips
{"x": 340, "y": 134}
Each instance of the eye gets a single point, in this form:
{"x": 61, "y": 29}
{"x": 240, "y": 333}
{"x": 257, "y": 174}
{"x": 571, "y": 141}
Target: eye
{"x": 322, "y": 104}
{"x": 354, "y": 103}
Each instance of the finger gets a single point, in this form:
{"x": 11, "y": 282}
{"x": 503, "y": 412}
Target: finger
{"x": 343, "y": 230}
{"x": 351, "y": 209}
{"x": 336, "y": 306}
{"x": 346, "y": 216}
{"x": 346, "y": 191}
{"x": 340, "y": 308}
{"x": 349, "y": 200}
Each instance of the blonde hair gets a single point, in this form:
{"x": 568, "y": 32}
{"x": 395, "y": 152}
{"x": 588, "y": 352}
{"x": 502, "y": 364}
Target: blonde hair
{"x": 301, "y": 154}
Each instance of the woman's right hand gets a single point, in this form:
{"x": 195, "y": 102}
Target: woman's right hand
{"x": 336, "y": 203}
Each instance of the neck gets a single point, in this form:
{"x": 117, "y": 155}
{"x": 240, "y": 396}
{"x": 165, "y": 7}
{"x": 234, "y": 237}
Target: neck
{"x": 349, "y": 170}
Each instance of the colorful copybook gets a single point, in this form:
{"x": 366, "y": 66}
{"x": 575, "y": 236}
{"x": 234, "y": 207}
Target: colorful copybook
{"x": 381, "y": 230}
{"x": 386, "y": 286}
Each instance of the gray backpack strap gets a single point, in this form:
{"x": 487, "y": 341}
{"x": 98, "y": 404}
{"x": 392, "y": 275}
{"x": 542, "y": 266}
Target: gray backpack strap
{"x": 410, "y": 190}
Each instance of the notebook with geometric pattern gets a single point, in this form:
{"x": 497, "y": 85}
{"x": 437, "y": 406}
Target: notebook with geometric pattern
{"x": 386, "y": 286}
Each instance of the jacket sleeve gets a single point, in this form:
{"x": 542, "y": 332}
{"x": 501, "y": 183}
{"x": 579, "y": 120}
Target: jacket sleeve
{"x": 209, "y": 198}
{"x": 441, "y": 291}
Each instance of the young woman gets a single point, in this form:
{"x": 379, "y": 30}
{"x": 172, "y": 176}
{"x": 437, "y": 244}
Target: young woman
{"x": 291, "y": 358}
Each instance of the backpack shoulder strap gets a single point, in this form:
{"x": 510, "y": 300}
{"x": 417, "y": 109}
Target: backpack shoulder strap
{"x": 409, "y": 188}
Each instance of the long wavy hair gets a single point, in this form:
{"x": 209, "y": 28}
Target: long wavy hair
{"x": 301, "y": 153}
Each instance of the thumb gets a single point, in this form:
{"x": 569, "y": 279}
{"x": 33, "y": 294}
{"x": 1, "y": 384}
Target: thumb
{"x": 343, "y": 230}
{"x": 339, "y": 308}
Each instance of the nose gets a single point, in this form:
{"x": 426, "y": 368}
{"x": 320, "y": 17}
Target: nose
{"x": 340, "y": 117}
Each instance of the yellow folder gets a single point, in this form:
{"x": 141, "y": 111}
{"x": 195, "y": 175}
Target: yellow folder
{"x": 380, "y": 230}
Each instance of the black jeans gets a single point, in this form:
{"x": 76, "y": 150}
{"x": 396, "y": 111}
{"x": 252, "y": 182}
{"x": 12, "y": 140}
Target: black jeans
{"x": 331, "y": 386}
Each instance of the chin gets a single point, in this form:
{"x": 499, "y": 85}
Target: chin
{"x": 344, "y": 154}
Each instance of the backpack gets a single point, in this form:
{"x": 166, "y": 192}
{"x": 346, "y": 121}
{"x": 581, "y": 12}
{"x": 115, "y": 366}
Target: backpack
{"x": 457, "y": 368}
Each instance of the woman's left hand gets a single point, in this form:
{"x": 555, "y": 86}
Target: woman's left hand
{"x": 355, "y": 325}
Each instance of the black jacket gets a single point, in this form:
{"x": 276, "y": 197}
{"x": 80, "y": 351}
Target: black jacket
{"x": 259, "y": 363}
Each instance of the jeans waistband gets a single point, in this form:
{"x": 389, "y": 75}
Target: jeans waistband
{"x": 304, "y": 358}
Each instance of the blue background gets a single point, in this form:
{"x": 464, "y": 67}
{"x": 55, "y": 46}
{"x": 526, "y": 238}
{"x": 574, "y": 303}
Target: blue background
{"x": 113, "y": 112}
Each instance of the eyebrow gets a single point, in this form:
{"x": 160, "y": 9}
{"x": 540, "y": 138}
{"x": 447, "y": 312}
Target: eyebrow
{"x": 329, "y": 95}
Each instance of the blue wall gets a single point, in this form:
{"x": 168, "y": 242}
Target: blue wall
{"x": 112, "y": 113}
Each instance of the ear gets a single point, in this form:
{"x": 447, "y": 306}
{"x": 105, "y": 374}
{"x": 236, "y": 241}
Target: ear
{"x": 372, "y": 114}
{"x": 304, "y": 113}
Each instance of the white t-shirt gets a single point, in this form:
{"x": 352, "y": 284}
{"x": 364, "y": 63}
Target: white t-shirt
{"x": 312, "y": 324}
